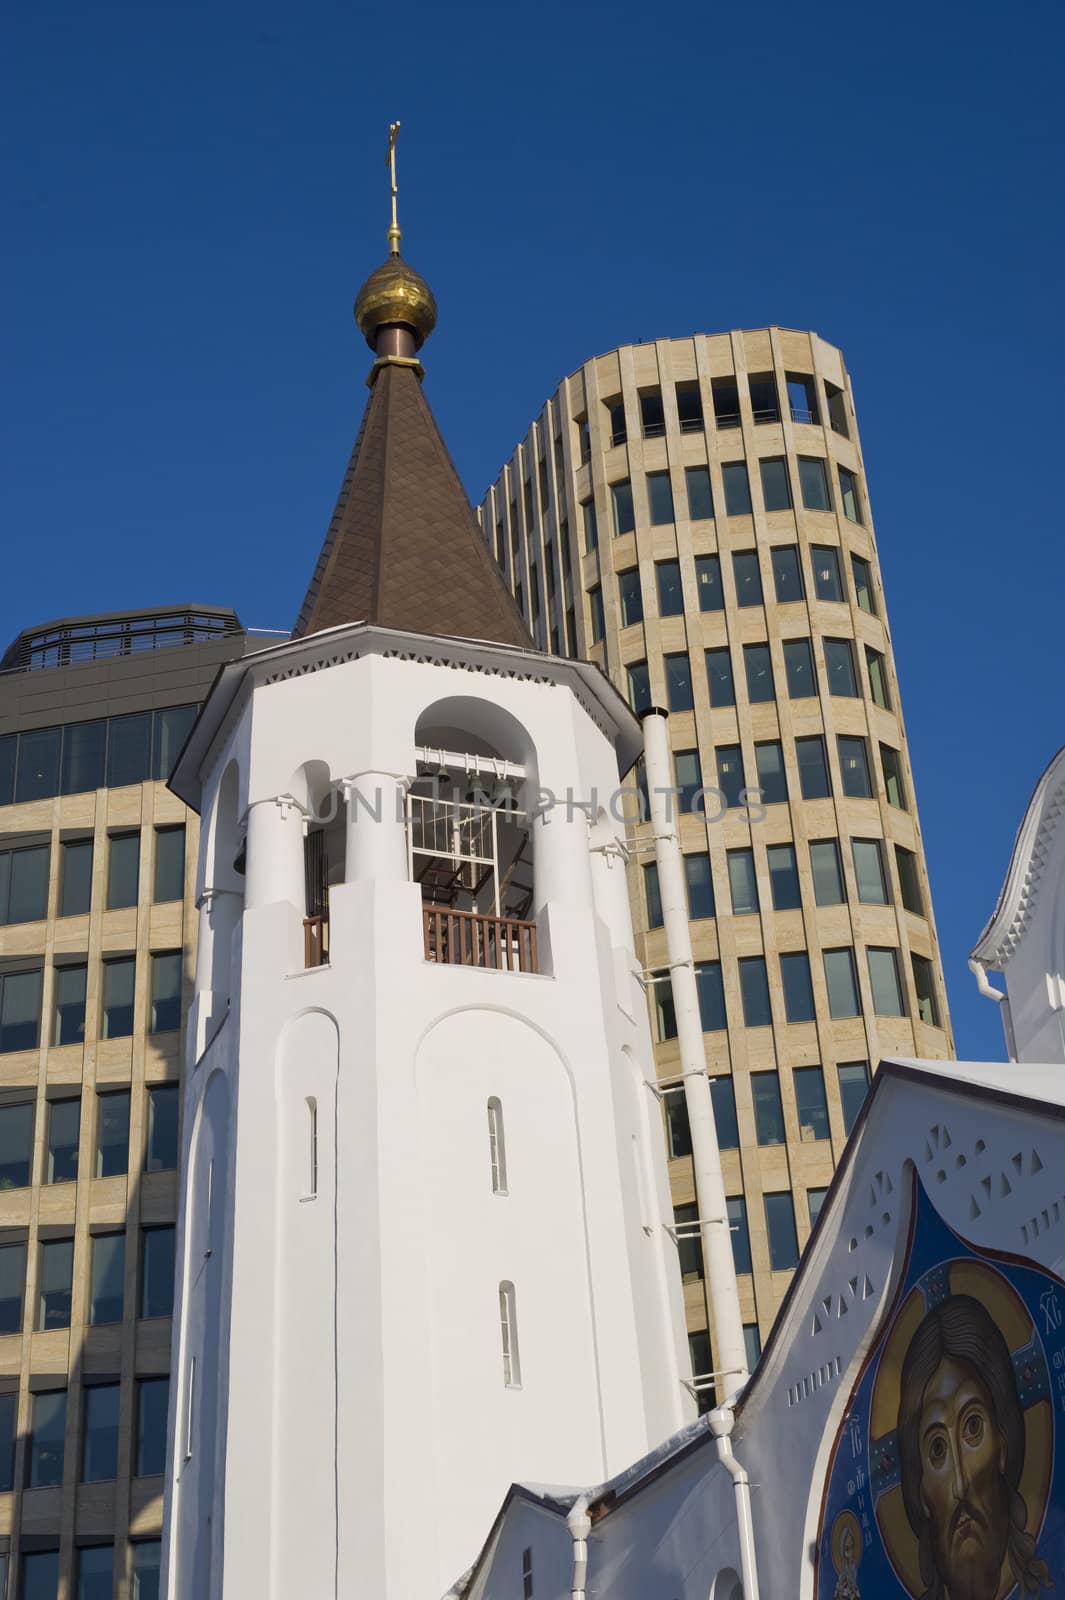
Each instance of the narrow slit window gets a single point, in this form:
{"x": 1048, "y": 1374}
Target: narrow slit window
{"x": 189, "y": 1405}
{"x": 508, "y": 1328}
{"x": 312, "y": 1176}
{"x": 497, "y": 1149}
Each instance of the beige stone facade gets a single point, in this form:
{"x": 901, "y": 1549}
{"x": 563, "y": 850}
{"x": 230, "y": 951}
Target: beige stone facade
{"x": 97, "y": 950}
{"x": 603, "y": 523}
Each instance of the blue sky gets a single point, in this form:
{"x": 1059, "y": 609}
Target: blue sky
{"x": 193, "y": 193}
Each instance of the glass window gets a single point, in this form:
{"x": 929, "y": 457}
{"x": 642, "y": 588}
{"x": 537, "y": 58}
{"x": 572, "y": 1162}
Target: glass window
{"x": 884, "y": 982}
{"x": 118, "y": 998}
{"x": 810, "y": 1103}
{"x": 660, "y": 498}
{"x": 828, "y": 580}
{"x": 24, "y": 884}
{"x": 784, "y": 877}
{"x": 169, "y": 864}
{"x": 64, "y": 1130}
{"x": 595, "y": 611}
{"x": 839, "y": 666}
{"x": 848, "y": 494}
{"x": 700, "y": 886}
{"x": 876, "y": 667}
{"x": 631, "y": 597}
{"x": 925, "y": 989}
{"x": 909, "y": 881}
{"x": 689, "y": 408}
{"x": 736, "y": 1206}
{"x": 40, "y": 1575}
{"x": 689, "y": 1243}
{"x": 708, "y": 583}
{"x": 123, "y": 870}
{"x": 854, "y": 768}
{"x": 780, "y": 1222}
{"x": 166, "y": 992}
{"x": 837, "y": 410}
{"x": 869, "y": 872}
{"x": 759, "y": 668}
{"x": 147, "y": 1556}
{"x": 711, "y": 991}
{"x": 815, "y": 1199}
{"x": 20, "y": 1010}
{"x": 665, "y": 1010}
{"x": 616, "y": 412}
{"x": 652, "y": 416}
{"x": 678, "y": 1128}
{"x": 813, "y": 481}
{"x": 95, "y": 1568}
{"x": 827, "y": 872}
{"x": 162, "y": 1150}
{"x": 737, "y": 488}
{"x": 891, "y": 766}
{"x": 765, "y": 406}
{"x": 799, "y": 669}
{"x": 700, "y": 496}
{"x": 772, "y": 780}
{"x": 723, "y": 1095}
{"x": 75, "y": 891}
{"x": 752, "y": 1344}
{"x": 802, "y": 397}
{"x": 842, "y": 983}
{"x": 776, "y": 486}
{"x": 670, "y": 592}
{"x": 624, "y": 515}
{"x": 157, "y": 1272}
{"x": 678, "y": 682}
{"x": 702, "y": 1363}
{"x": 38, "y": 765}
{"x": 152, "y": 1397}
{"x": 742, "y": 882}
{"x": 768, "y": 1111}
{"x": 108, "y": 1269}
{"x": 748, "y": 577}
{"x": 719, "y": 677}
{"x": 814, "y": 782}
{"x": 863, "y": 585}
{"x": 68, "y": 1026}
{"x": 798, "y": 990}
{"x": 48, "y": 1421}
{"x": 754, "y": 989}
{"x": 84, "y": 755}
{"x": 16, "y": 1145}
{"x": 591, "y": 526}
{"x": 730, "y": 775}
{"x": 653, "y": 895}
{"x": 129, "y": 749}
{"x": 55, "y": 1272}
{"x": 8, "y": 1409}
{"x": 853, "y": 1087}
{"x": 787, "y": 573}
{"x": 726, "y": 398}
{"x": 172, "y": 728}
{"x": 12, "y": 1288}
{"x": 8, "y": 751}
{"x": 639, "y": 685}
{"x": 112, "y": 1133}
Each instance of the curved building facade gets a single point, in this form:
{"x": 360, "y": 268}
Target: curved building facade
{"x": 692, "y": 515}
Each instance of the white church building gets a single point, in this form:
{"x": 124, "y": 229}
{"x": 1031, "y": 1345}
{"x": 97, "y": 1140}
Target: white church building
{"x": 423, "y": 1268}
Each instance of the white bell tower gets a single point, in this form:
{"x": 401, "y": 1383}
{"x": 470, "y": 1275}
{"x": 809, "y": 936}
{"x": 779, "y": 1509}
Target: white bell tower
{"x": 423, "y": 1248}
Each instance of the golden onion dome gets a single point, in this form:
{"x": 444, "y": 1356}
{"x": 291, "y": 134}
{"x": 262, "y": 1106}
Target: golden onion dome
{"x": 395, "y": 293}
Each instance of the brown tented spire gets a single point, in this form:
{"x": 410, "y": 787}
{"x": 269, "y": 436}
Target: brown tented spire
{"x": 404, "y": 549}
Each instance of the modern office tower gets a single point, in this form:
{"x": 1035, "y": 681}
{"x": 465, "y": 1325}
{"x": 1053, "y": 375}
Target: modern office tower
{"x": 97, "y": 941}
{"x": 692, "y": 515}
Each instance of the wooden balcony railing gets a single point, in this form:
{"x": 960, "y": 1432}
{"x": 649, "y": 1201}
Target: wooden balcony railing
{"x": 464, "y": 939}
{"x": 315, "y": 941}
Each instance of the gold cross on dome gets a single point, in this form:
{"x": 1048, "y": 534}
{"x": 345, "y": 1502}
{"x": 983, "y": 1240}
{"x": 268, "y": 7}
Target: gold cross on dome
{"x": 394, "y": 235}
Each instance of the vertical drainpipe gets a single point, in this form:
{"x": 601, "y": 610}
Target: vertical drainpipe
{"x": 729, "y": 1344}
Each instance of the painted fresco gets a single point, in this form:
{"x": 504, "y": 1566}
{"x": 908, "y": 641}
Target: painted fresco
{"x": 944, "y": 1481}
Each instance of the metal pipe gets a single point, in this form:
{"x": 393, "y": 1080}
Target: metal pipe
{"x": 579, "y": 1524}
{"x": 721, "y": 1421}
{"x": 729, "y": 1342}
{"x": 986, "y": 988}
